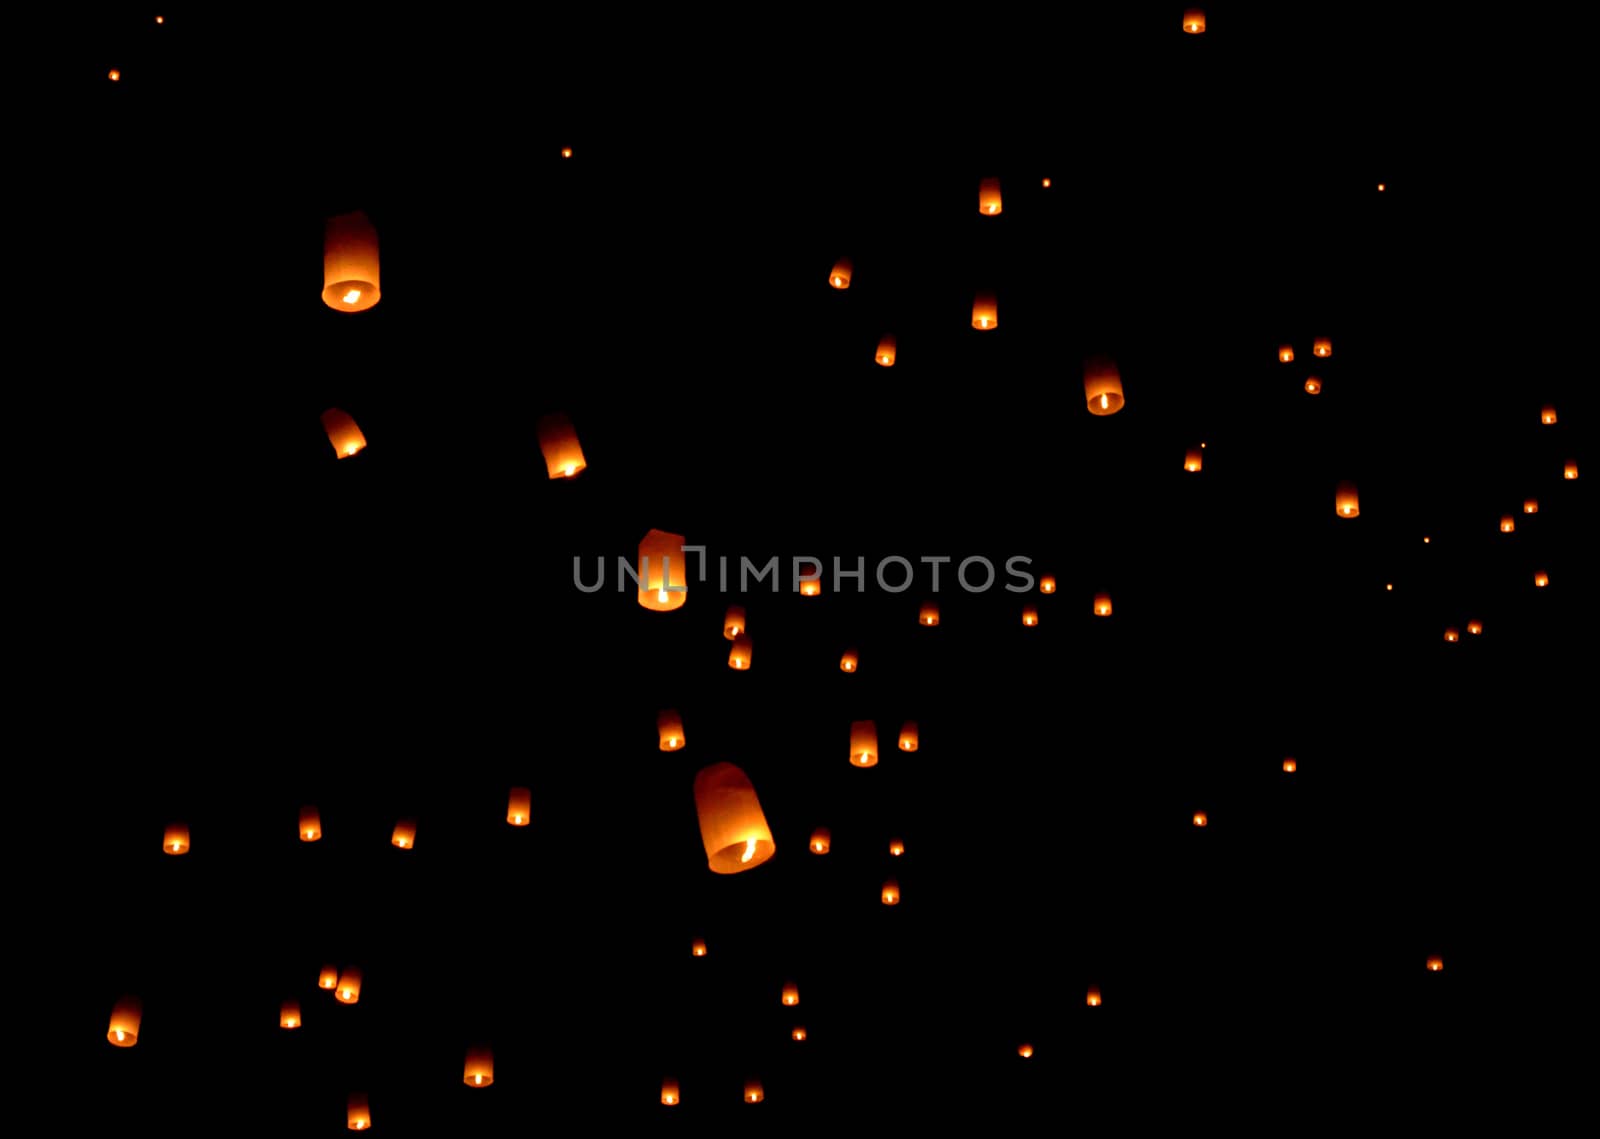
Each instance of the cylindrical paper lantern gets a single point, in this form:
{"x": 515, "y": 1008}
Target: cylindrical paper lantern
{"x": 1570, "y": 471}
{"x": 125, "y": 1017}
{"x": 1092, "y": 997}
{"x": 669, "y": 1093}
{"x": 697, "y": 947}
{"x": 849, "y": 661}
{"x": 928, "y": 614}
{"x": 1508, "y": 523}
{"x": 519, "y": 806}
{"x": 289, "y": 1014}
{"x": 1102, "y": 385}
{"x": 405, "y": 834}
{"x": 1322, "y": 347}
{"x": 821, "y": 840}
{"x": 811, "y": 587}
{"x": 1313, "y": 385}
{"x": 1474, "y": 628}
{"x": 176, "y": 838}
{"x": 840, "y": 277}
{"x": 1451, "y": 636}
{"x": 1547, "y": 415}
{"x": 1286, "y": 354}
{"x": 1102, "y": 605}
{"x": 732, "y": 826}
{"x": 1194, "y": 21}
{"x": 1436, "y": 964}
{"x": 985, "y": 312}
{"x": 328, "y": 978}
{"x": 891, "y": 893}
{"x": 791, "y": 994}
{"x": 358, "y": 1116}
{"x": 479, "y": 1072}
{"x": 1025, "y": 1050}
{"x": 1030, "y": 616}
{"x": 1191, "y": 459}
{"x": 896, "y": 848}
{"x": 310, "y": 824}
{"x": 343, "y": 433}
{"x": 558, "y": 440}
{"x": 864, "y": 743}
{"x": 349, "y": 263}
{"x": 663, "y": 571}
{"x": 669, "y": 730}
{"x": 798, "y": 1033}
{"x": 908, "y": 736}
{"x": 753, "y": 1092}
{"x": 349, "y": 989}
{"x": 739, "y": 655}
{"x": 1200, "y": 819}
{"x": 885, "y": 356}
{"x": 989, "y": 197}
{"x": 1047, "y": 584}
{"x": 733, "y": 624}
{"x": 1540, "y": 580}
{"x": 1346, "y": 503}
{"x": 1530, "y": 506}
{"x": 1289, "y": 766}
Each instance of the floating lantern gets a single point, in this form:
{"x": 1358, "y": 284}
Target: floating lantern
{"x": 791, "y": 994}
{"x": 985, "y": 312}
{"x": 558, "y": 440}
{"x": 349, "y": 989}
{"x": 1047, "y": 584}
{"x": 864, "y": 743}
{"x": 1570, "y": 471}
{"x": 1322, "y": 348}
{"x": 663, "y": 570}
{"x": 479, "y": 1072}
{"x": 753, "y": 1092}
{"x": 1451, "y": 636}
{"x": 1025, "y": 1051}
{"x": 1092, "y": 998}
{"x": 1289, "y": 766}
{"x": 1194, "y": 21}
{"x": 1346, "y": 503}
{"x": 176, "y": 839}
{"x": 1547, "y": 416}
{"x": 1313, "y": 385}
{"x": 310, "y": 824}
{"x": 405, "y": 834}
{"x": 669, "y": 730}
{"x": 1286, "y": 354}
{"x": 1540, "y": 580}
{"x": 849, "y": 661}
{"x": 1508, "y": 523}
{"x": 328, "y": 978}
{"x": 1381, "y": 187}
{"x": 669, "y": 1093}
{"x": 1530, "y": 506}
{"x": 343, "y": 433}
{"x": 798, "y": 1033}
{"x": 1191, "y": 459}
{"x": 697, "y": 947}
{"x": 1436, "y": 964}
{"x": 125, "y": 1017}
{"x": 1030, "y": 616}
{"x": 989, "y": 197}
{"x": 519, "y": 806}
{"x": 885, "y": 356}
{"x": 349, "y": 263}
{"x": 1102, "y": 385}
{"x": 1426, "y": 539}
{"x": 161, "y": 19}
{"x": 739, "y": 655}
{"x": 810, "y": 587}
{"x": 358, "y": 1115}
{"x": 114, "y": 75}
{"x": 733, "y": 624}
{"x": 1102, "y": 605}
{"x": 908, "y": 736}
{"x": 1045, "y": 182}
{"x": 891, "y": 893}
{"x": 821, "y": 840}
{"x": 896, "y": 848}
{"x": 732, "y": 826}
{"x": 840, "y": 277}
{"x": 1200, "y": 819}
{"x": 1474, "y": 628}
{"x": 929, "y": 614}
{"x": 566, "y": 152}
{"x": 289, "y": 1014}
{"x": 1389, "y": 588}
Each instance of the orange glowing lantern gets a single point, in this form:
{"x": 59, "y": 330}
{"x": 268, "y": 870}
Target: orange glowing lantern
{"x": 1547, "y": 415}
{"x": 739, "y": 655}
{"x": 1474, "y": 628}
{"x": 791, "y": 994}
{"x": 358, "y": 1116}
{"x": 864, "y": 743}
{"x": 908, "y": 736}
{"x": 289, "y": 1014}
{"x": 1102, "y": 385}
{"x": 929, "y": 614}
{"x": 891, "y": 893}
{"x": 1191, "y": 459}
{"x": 1570, "y": 471}
{"x": 1045, "y": 182}
{"x": 1451, "y": 636}
{"x": 328, "y": 978}
{"x": 479, "y": 1071}
{"x": 310, "y": 824}
{"x": 349, "y": 263}
{"x": 1346, "y": 503}
{"x": 697, "y": 947}
{"x": 176, "y": 839}
{"x": 1426, "y": 539}
{"x": 1322, "y": 348}
{"x": 985, "y": 312}
{"x": 1508, "y": 523}
{"x": 114, "y": 75}
{"x": 798, "y": 1033}
{"x": 1047, "y": 584}
{"x": 840, "y": 277}
{"x": 349, "y": 990}
{"x": 1092, "y": 998}
{"x": 1286, "y": 354}
{"x": 1436, "y": 964}
{"x": 1289, "y": 767}
{"x": 885, "y": 356}
{"x": 1025, "y": 1051}
{"x": 989, "y": 197}
{"x": 733, "y": 624}
{"x": 821, "y": 840}
{"x": 753, "y": 1092}
{"x": 558, "y": 440}
{"x": 1102, "y": 605}
{"x": 125, "y": 1017}
{"x": 849, "y": 661}
{"x": 810, "y": 587}
{"x": 669, "y": 730}
{"x": 663, "y": 570}
{"x": 1381, "y": 187}
{"x": 1200, "y": 819}
{"x": 161, "y": 19}
{"x": 343, "y": 433}
{"x": 1389, "y": 588}
{"x": 896, "y": 848}
{"x": 1540, "y": 580}
{"x": 405, "y": 834}
{"x": 519, "y": 806}
{"x": 1530, "y": 506}
{"x": 1194, "y": 21}
{"x": 732, "y": 826}
{"x": 1030, "y": 616}
{"x": 1313, "y": 385}
{"x": 670, "y": 1096}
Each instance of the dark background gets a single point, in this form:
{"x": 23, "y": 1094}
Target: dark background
{"x": 245, "y": 624}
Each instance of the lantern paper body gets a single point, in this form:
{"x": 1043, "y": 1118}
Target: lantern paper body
{"x": 1102, "y": 605}
{"x": 732, "y": 826}
{"x": 697, "y": 947}
{"x": 739, "y": 655}
{"x": 891, "y": 893}
{"x": 328, "y": 978}
{"x": 519, "y": 806}
{"x": 1025, "y": 1051}
{"x": 1570, "y": 471}
{"x": 1102, "y": 385}
{"x": 1200, "y": 819}
{"x": 1436, "y": 964}
{"x": 985, "y": 312}
{"x": 1047, "y": 585}
{"x": 864, "y": 743}
{"x": 1530, "y": 506}
{"x": 123, "y": 1030}
{"x": 849, "y": 661}
{"x": 798, "y": 1033}
{"x": 810, "y": 587}
{"x": 558, "y": 440}
{"x": 663, "y": 571}
{"x": 343, "y": 433}
{"x": 310, "y": 824}
{"x": 1191, "y": 459}
{"x": 1286, "y": 355}
{"x": 1451, "y": 636}
{"x": 753, "y": 1092}
{"x": 1194, "y": 21}
{"x": 670, "y": 1096}
{"x": 1092, "y": 998}
{"x": 1474, "y": 628}
{"x": 840, "y": 277}
{"x": 1289, "y": 766}
{"x": 733, "y": 624}
{"x": 791, "y": 994}
{"x": 1540, "y": 580}
{"x": 1507, "y": 524}
{"x": 349, "y": 263}
{"x": 908, "y": 736}
{"x": 358, "y": 1116}
{"x": 885, "y": 356}
{"x": 1547, "y": 416}
{"x": 669, "y": 730}
{"x": 289, "y": 1015}
{"x": 1313, "y": 385}
{"x": 821, "y": 840}
{"x": 989, "y": 197}
{"x": 176, "y": 839}
{"x": 928, "y": 614}
{"x": 1322, "y": 348}
{"x": 1030, "y": 616}
{"x": 896, "y": 848}
{"x": 1346, "y": 504}
{"x": 349, "y": 989}
{"x": 405, "y": 834}
{"x": 479, "y": 1071}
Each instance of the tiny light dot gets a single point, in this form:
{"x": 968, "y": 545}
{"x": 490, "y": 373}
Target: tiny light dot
{"x": 161, "y": 19}
{"x": 566, "y": 152}
{"x": 1045, "y": 183}
{"x": 1389, "y": 587}
{"x": 1381, "y": 187}
{"x": 1426, "y": 540}
{"x": 113, "y": 75}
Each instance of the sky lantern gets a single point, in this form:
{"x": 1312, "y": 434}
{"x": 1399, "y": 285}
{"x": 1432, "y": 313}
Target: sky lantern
{"x": 885, "y": 354}
{"x": 896, "y": 848}
{"x": 697, "y": 947}
{"x": 1102, "y": 385}
{"x": 1192, "y": 459}
{"x": 114, "y": 75}
{"x": 1030, "y": 616}
{"x": 1570, "y": 471}
{"x": 864, "y": 743}
{"x": 1474, "y": 628}
{"x": 734, "y": 623}
{"x": 1045, "y": 182}
{"x": 1200, "y": 819}
{"x": 358, "y": 1116}
{"x": 479, "y": 1071}
{"x": 1025, "y": 1051}
{"x": 1508, "y": 523}
{"x": 1194, "y": 21}
{"x": 908, "y": 736}
{"x": 343, "y": 433}
{"x": 1547, "y": 415}
{"x": 1436, "y": 964}
{"x": 849, "y": 661}
{"x": 1313, "y": 386}
{"x": 1346, "y": 503}
{"x": 989, "y": 197}
{"x": 739, "y": 655}
{"x": 663, "y": 571}
{"x": 1530, "y": 506}
{"x": 840, "y": 277}
{"x": 310, "y": 824}
{"x": 929, "y": 614}
{"x": 405, "y": 834}
{"x": 891, "y": 893}
{"x": 669, "y": 730}
{"x": 1092, "y": 997}
{"x": 289, "y": 1014}
{"x": 1289, "y": 767}
{"x": 798, "y": 1033}
{"x": 1322, "y": 348}
{"x": 519, "y": 806}
{"x": 985, "y": 311}
{"x": 1102, "y": 605}
{"x": 1047, "y": 584}
{"x": 1451, "y": 636}
{"x": 811, "y": 587}
{"x": 670, "y": 1096}
{"x": 791, "y": 994}
{"x": 821, "y": 840}
{"x": 558, "y": 439}
{"x": 753, "y": 1092}
{"x": 1286, "y": 354}
{"x": 732, "y": 826}
{"x": 348, "y": 991}
{"x": 1540, "y": 580}
{"x": 328, "y": 978}
{"x": 349, "y": 263}
{"x": 126, "y": 1014}
{"x": 176, "y": 838}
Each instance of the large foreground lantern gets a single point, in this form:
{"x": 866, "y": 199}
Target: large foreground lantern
{"x": 732, "y": 826}
{"x": 1102, "y": 385}
{"x": 663, "y": 571}
{"x": 343, "y": 433}
{"x": 349, "y": 263}
{"x": 558, "y": 440}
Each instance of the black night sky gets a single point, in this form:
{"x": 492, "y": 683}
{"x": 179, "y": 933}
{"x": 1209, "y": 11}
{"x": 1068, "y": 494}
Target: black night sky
{"x": 242, "y": 623}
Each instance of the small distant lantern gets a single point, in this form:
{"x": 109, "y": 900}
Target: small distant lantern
{"x": 519, "y": 806}
{"x": 1047, "y": 584}
{"x": 733, "y": 624}
{"x": 1191, "y": 459}
{"x": 349, "y": 989}
{"x": 885, "y": 355}
{"x": 1102, "y": 605}
{"x": 1474, "y": 628}
{"x": 1530, "y": 506}
{"x": 1025, "y": 1051}
{"x": 558, "y": 440}
{"x": 1200, "y": 819}
{"x": 670, "y": 1096}
{"x": 739, "y": 655}
{"x": 1451, "y": 636}
{"x": 479, "y": 1072}
{"x": 161, "y": 19}
{"x": 849, "y": 661}
{"x": 1547, "y": 416}
{"x": 124, "y": 1028}
{"x": 176, "y": 839}
{"x": 566, "y": 152}
{"x": 343, "y": 433}
{"x": 985, "y": 312}
{"x": 896, "y": 848}
{"x": 697, "y": 947}
{"x": 821, "y": 840}
{"x": 791, "y": 994}
{"x": 1194, "y": 21}
{"x": 114, "y": 75}
{"x": 798, "y": 1033}
{"x": 989, "y": 197}
{"x": 908, "y": 736}
{"x": 405, "y": 834}
{"x": 840, "y": 277}
{"x": 1289, "y": 767}
{"x": 1346, "y": 503}
{"x": 891, "y": 893}
{"x": 1389, "y": 587}
{"x": 753, "y": 1092}
{"x": 1381, "y": 187}
{"x": 310, "y": 824}
{"x": 1092, "y": 998}
{"x": 1570, "y": 471}
{"x": 1540, "y": 580}
{"x": 289, "y": 1014}
{"x": 1030, "y": 616}
{"x": 1436, "y": 964}
{"x": 810, "y": 587}
{"x": 1102, "y": 385}
{"x": 1322, "y": 348}
{"x": 1508, "y": 523}
{"x": 1426, "y": 539}
{"x": 1045, "y": 182}
{"x": 328, "y": 978}
{"x": 732, "y": 826}
{"x": 664, "y": 569}
{"x": 864, "y": 743}
{"x": 669, "y": 730}
{"x": 928, "y": 614}
{"x": 1313, "y": 386}
{"x": 1286, "y": 354}
{"x": 349, "y": 263}
{"x": 358, "y": 1115}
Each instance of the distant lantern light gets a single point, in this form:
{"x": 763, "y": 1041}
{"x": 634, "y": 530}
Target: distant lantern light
{"x": 349, "y": 263}
{"x": 885, "y": 356}
{"x": 1025, "y": 1051}
{"x": 328, "y": 978}
{"x": 1102, "y": 385}
{"x": 1508, "y": 523}
{"x": 1192, "y": 459}
{"x": 343, "y": 433}
{"x": 1030, "y": 616}
{"x": 126, "y": 1014}
{"x": 732, "y": 826}
{"x": 1389, "y": 587}
{"x": 175, "y": 840}
{"x": 670, "y": 1096}
{"x": 928, "y": 614}
{"x": 405, "y": 834}
{"x": 840, "y": 277}
{"x": 908, "y": 736}
{"x": 849, "y": 661}
{"x": 1346, "y": 503}
{"x": 1286, "y": 353}
{"x": 1092, "y": 997}
{"x": 891, "y": 893}
{"x": 896, "y": 848}
{"x": 811, "y": 587}
{"x": 289, "y": 1015}
{"x": 1540, "y": 580}
{"x": 1047, "y": 584}
{"x": 348, "y": 991}
{"x": 1381, "y": 187}
{"x": 558, "y": 440}
{"x": 1426, "y": 539}
{"x": 479, "y": 1070}
{"x": 1289, "y": 767}
{"x": 798, "y": 1033}
{"x": 1547, "y": 414}
{"x": 519, "y": 806}
{"x": 1530, "y": 506}
{"x": 733, "y": 623}
{"x": 1451, "y": 636}
{"x": 791, "y": 994}
{"x": 310, "y": 824}
{"x": 1322, "y": 348}
{"x": 663, "y": 571}
{"x": 1313, "y": 386}
{"x": 1045, "y": 183}
{"x": 864, "y": 743}
{"x": 566, "y": 152}
{"x": 1436, "y": 964}
{"x": 989, "y": 197}
{"x": 1102, "y": 605}
{"x": 1474, "y": 628}
{"x": 161, "y": 19}
{"x": 697, "y": 947}
{"x": 114, "y": 75}
{"x": 985, "y": 312}
{"x": 1194, "y": 21}
{"x": 669, "y": 730}
{"x": 1570, "y": 471}
{"x": 821, "y": 840}
{"x": 739, "y": 655}
{"x": 358, "y": 1115}
{"x": 1200, "y": 819}
{"x": 753, "y": 1092}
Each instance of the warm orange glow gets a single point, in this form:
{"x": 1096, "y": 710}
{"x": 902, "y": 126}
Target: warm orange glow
{"x": 1313, "y": 385}
{"x": 810, "y": 587}
{"x": 566, "y": 152}
{"x": 1047, "y": 584}
{"x": 1192, "y": 459}
{"x": 1451, "y": 636}
{"x": 1025, "y": 1051}
{"x": 739, "y": 654}
{"x": 1436, "y": 964}
{"x": 849, "y": 661}
{"x": 985, "y": 312}
{"x": 328, "y": 978}
{"x": 697, "y": 947}
{"x": 908, "y": 736}
{"x": 350, "y": 263}
{"x": 1322, "y": 348}
{"x": 348, "y": 991}
{"x": 405, "y": 834}
{"x": 1540, "y": 580}
{"x": 896, "y": 848}
{"x": 1426, "y": 539}
{"x": 1045, "y": 183}
{"x": 123, "y": 1032}
{"x": 989, "y": 197}
{"x": 1346, "y": 503}
{"x": 1389, "y": 587}
{"x": 1570, "y": 471}
{"x": 791, "y": 994}
{"x": 669, "y": 730}
{"x": 519, "y": 806}
{"x": 1194, "y": 21}
{"x": 733, "y": 624}
{"x": 1200, "y": 819}
{"x": 885, "y": 355}
{"x": 558, "y": 440}
{"x": 114, "y": 75}
{"x": 289, "y": 1014}
{"x": 891, "y": 893}
{"x": 1508, "y": 523}
{"x": 310, "y": 824}
{"x": 1547, "y": 414}
{"x": 840, "y": 277}
{"x": 864, "y": 743}
{"x": 343, "y": 433}
{"x": 1286, "y": 354}
{"x": 798, "y": 1033}
{"x": 1102, "y": 385}
{"x": 663, "y": 571}
{"x": 1102, "y": 605}
{"x": 928, "y": 614}
{"x": 176, "y": 839}
{"x": 669, "y": 1093}
{"x": 1289, "y": 766}
{"x": 1474, "y": 628}
{"x": 161, "y": 19}
{"x": 1530, "y": 506}
{"x": 732, "y": 826}
{"x": 1030, "y": 616}
{"x": 1381, "y": 187}
{"x": 358, "y": 1115}
{"x": 479, "y": 1070}
{"x": 753, "y": 1092}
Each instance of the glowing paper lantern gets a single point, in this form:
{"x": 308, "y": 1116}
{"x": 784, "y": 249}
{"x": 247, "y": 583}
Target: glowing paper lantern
{"x": 349, "y": 263}
{"x": 908, "y": 736}
{"x": 1474, "y": 628}
{"x": 1286, "y": 354}
{"x": 479, "y": 1072}
{"x": 896, "y": 848}
{"x": 821, "y": 840}
{"x": 791, "y": 994}
{"x": 1436, "y": 964}
{"x": 891, "y": 893}
{"x": 663, "y": 571}
{"x": 1045, "y": 182}
{"x": 1346, "y": 503}
{"x": 1508, "y": 523}
{"x": 733, "y": 624}
{"x": 1530, "y": 506}
{"x": 732, "y": 826}
{"x": 1102, "y": 385}
{"x": 753, "y": 1092}
{"x": 928, "y": 614}
{"x": 864, "y": 743}
{"x": 1030, "y": 616}
{"x": 1092, "y": 998}
{"x": 126, "y": 1014}
{"x": 1540, "y": 580}
{"x": 1102, "y": 605}
{"x": 669, "y": 730}
{"x": 114, "y": 75}
{"x": 697, "y": 947}
{"x": 1047, "y": 584}
{"x": 176, "y": 839}
{"x": 1289, "y": 766}
{"x": 1313, "y": 385}
{"x": 1025, "y": 1051}
{"x": 1191, "y": 459}
{"x": 310, "y": 824}
{"x": 1200, "y": 819}
{"x": 349, "y": 989}
{"x": 558, "y": 440}
{"x": 405, "y": 834}
{"x": 343, "y": 433}
{"x": 989, "y": 197}
{"x": 1570, "y": 471}
{"x": 669, "y": 1093}
{"x": 358, "y": 1116}
{"x": 289, "y": 1015}
{"x": 840, "y": 277}
{"x": 810, "y": 587}
{"x": 519, "y": 806}
{"x": 1322, "y": 348}
{"x": 985, "y": 312}
{"x": 1451, "y": 636}
{"x": 739, "y": 655}
{"x": 566, "y": 152}
{"x": 1548, "y": 415}
{"x": 885, "y": 356}
{"x": 798, "y": 1033}
{"x": 1194, "y": 21}
{"x": 328, "y": 978}
{"x": 849, "y": 661}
